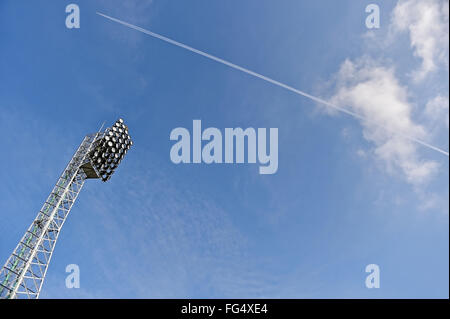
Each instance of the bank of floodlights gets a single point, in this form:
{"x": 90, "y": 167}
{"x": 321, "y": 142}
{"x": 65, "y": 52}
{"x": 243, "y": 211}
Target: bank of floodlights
{"x": 109, "y": 150}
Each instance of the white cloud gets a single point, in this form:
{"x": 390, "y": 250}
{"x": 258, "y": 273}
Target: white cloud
{"x": 427, "y": 24}
{"x": 361, "y": 153}
{"x": 373, "y": 91}
{"x": 437, "y": 111}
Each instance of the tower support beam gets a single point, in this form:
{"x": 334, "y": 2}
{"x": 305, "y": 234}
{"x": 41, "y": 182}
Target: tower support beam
{"x": 23, "y": 273}
{"x": 97, "y": 157}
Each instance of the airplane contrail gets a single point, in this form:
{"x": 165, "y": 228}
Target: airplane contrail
{"x": 265, "y": 78}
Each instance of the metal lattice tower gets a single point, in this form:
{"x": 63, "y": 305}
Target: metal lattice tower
{"x": 98, "y": 156}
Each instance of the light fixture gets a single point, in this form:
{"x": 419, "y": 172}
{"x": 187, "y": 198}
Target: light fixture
{"x": 109, "y": 150}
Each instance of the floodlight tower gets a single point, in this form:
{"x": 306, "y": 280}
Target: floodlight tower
{"x": 98, "y": 156}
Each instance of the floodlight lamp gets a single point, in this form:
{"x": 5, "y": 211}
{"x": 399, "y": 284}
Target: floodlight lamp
{"x": 110, "y": 148}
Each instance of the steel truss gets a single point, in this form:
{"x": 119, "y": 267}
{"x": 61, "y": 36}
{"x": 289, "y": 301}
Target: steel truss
{"x": 23, "y": 274}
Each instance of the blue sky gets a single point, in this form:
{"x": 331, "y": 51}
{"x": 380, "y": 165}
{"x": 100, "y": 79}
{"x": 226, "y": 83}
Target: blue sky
{"x": 345, "y": 195}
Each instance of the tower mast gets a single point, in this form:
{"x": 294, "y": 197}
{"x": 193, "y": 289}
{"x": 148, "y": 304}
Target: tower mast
{"x": 98, "y": 156}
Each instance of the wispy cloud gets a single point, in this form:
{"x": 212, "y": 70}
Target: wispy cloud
{"x": 139, "y": 11}
{"x": 371, "y": 85}
{"x": 427, "y": 24}
{"x": 436, "y": 111}
{"x": 373, "y": 90}
{"x": 164, "y": 241}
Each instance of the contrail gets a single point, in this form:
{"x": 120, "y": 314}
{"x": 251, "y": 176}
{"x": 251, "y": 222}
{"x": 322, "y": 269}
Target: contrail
{"x": 265, "y": 78}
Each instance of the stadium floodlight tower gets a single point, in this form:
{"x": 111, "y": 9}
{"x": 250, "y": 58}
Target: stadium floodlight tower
{"x": 98, "y": 156}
